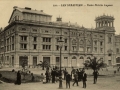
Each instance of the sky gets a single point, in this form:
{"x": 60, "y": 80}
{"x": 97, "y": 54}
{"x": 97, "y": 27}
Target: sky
{"x": 82, "y": 15}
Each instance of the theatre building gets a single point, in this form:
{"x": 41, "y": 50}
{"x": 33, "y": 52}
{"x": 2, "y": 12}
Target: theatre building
{"x": 32, "y": 36}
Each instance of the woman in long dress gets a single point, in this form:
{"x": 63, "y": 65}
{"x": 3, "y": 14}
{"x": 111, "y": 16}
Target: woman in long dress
{"x": 18, "y": 81}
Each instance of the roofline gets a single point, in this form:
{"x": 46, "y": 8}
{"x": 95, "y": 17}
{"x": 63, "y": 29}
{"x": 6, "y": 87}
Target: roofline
{"x": 27, "y": 12}
{"x": 11, "y": 15}
{"x": 37, "y": 14}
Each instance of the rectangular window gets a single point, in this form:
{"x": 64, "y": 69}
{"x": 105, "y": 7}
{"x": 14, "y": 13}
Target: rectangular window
{"x": 23, "y": 38}
{"x": 65, "y": 48}
{"x": 12, "y": 46}
{"x": 95, "y": 49}
{"x": 57, "y": 39}
{"x": 34, "y": 39}
{"x": 101, "y": 43}
{"x": 12, "y": 39}
{"x": 46, "y": 31}
{"x": 109, "y": 40}
{"x": 65, "y": 57}
{"x": 46, "y": 47}
{"x": 34, "y": 46}
{"x": 7, "y": 41}
{"x": 8, "y": 48}
{"x": 57, "y": 32}
{"x": 43, "y": 47}
{"x": 88, "y": 49}
{"x": 57, "y": 47}
{"x": 74, "y": 48}
{"x": 57, "y": 60}
{"x": 46, "y": 39}
{"x": 101, "y": 50}
{"x": 23, "y": 46}
{"x": 43, "y": 39}
{"x": 95, "y": 42}
{"x": 65, "y": 40}
{"x": 34, "y": 30}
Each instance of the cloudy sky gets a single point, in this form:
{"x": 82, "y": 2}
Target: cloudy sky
{"x": 83, "y": 15}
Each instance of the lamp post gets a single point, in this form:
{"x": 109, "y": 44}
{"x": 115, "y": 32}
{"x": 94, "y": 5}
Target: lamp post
{"x": 60, "y": 76}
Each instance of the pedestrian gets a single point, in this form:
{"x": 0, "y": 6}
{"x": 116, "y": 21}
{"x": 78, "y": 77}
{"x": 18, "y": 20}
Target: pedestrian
{"x": 75, "y": 79}
{"x": 72, "y": 73}
{"x": 95, "y": 74}
{"x": 33, "y": 78}
{"x": 47, "y": 76}
{"x": 65, "y": 72}
{"x": 18, "y": 81}
{"x": 57, "y": 74}
{"x": 84, "y": 79}
{"x": 80, "y": 75}
{"x": 53, "y": 73}
{"x": 68, "y": 79}
{"x": 77, "y": 71}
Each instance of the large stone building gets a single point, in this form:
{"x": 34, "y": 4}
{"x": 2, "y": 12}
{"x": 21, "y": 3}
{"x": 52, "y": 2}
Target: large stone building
{"x": 31, "y": 36}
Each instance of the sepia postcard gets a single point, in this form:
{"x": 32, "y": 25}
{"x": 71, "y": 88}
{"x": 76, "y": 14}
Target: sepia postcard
{"x": 59, "y": 44}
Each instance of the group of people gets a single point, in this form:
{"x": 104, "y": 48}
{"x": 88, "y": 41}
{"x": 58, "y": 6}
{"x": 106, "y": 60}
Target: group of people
{"x": 76, "y": 76}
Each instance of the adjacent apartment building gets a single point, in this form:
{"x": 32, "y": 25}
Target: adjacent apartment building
{"x": 31, "y": 36}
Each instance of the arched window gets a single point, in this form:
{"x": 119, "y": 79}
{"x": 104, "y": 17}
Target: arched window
{"x": 73, "y": 57}
{"x": 81, "y": 57}
{"x": 88, "y": 57}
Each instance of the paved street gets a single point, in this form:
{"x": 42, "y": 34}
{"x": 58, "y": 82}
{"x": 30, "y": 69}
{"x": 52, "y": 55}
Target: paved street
{"x": 104, "y": 83}
{"x": 111, "y": 83}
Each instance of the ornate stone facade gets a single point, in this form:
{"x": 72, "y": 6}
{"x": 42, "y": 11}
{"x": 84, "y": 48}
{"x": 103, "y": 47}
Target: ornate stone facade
{"x": 31, "y": 36}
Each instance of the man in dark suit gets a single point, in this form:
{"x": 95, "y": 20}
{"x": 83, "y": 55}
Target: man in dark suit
{"x": 84, "y": 79}
{"x": 95, "y": 74}
{"x": 68, "y": 79}
{"x": 75, "y": 79}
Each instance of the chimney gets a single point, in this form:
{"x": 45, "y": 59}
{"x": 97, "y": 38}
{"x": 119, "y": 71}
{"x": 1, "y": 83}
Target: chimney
{"x": 27, "y": 8}
{"x": 15, "y": 7}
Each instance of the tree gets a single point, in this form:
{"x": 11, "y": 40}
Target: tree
{"x": 44, "y": 64}
{"x": 94, "y": 63}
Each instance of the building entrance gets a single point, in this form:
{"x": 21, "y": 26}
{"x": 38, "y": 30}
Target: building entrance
{"x": 34, "y": 61}
{"x": 23, "y": 59}
{"x": 46, "y": 60}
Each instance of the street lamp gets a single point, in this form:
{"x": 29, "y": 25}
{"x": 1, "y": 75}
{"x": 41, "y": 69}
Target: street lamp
{"x": 60, "y": 46}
